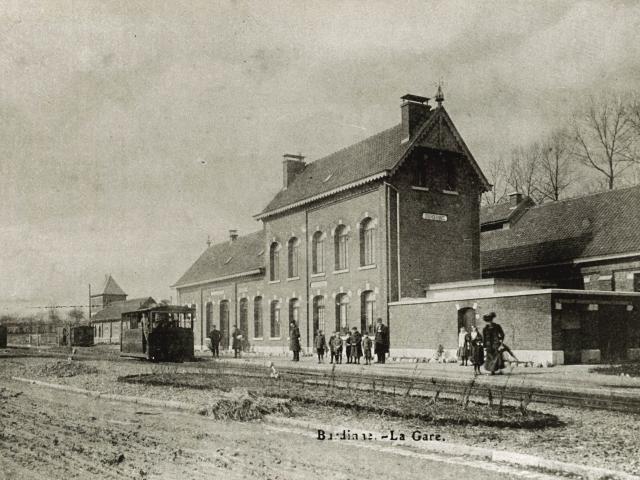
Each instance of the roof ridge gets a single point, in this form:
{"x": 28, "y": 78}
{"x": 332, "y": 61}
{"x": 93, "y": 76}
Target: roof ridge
{"x": 240, "y": 237}
{"x": 589, "y": 195}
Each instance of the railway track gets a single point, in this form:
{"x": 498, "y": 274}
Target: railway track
{"x": 477, "y": 388}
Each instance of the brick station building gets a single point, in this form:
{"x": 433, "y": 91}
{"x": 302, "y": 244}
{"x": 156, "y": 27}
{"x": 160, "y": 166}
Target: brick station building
{"x": 347, "y": 234}
{"x": 390, "y": 227}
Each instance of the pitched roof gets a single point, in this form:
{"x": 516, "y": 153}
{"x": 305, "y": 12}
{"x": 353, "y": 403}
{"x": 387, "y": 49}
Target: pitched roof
{"x": 114, "y": 310}
{"x": 503, "y": 212}
{"x": 244, "y": 254}
{"x": 110, "y": 287}
{"x": 602, "y": 224}
{"x": 364, "y": 161}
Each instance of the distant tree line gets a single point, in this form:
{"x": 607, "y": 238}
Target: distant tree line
{"x": 597, "y": 149}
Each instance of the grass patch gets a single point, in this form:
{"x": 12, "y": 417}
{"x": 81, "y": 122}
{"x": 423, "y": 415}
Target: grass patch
{"x": 434, "y": 410}
{"x": 627, "y": 368}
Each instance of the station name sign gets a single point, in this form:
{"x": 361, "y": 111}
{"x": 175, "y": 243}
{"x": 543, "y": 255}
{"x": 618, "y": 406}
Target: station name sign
{"x": 434, "y": 216}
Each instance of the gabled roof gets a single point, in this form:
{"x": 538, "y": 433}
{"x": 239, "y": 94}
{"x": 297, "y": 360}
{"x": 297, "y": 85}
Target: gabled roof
{"x": 503, "y": 212}
{"x": 243, "y": 255}
{"x": 110, "y": 287}
{"x": 114, "y": 310}
{"x": 606, "y": 223}
{"x": 368, "y": 160}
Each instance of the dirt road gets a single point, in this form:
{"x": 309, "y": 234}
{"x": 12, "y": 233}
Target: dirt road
{"x": 56, "y": 435}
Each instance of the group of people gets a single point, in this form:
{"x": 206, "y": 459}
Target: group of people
{"x": 356, "y": 345}
{"x": 486, "y": 348}
{"x": 215, "y": 337}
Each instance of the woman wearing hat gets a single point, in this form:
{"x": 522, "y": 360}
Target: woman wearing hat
{"x": 493, "y": 336}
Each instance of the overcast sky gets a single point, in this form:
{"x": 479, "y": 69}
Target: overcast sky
{"x": 129, "y": 131}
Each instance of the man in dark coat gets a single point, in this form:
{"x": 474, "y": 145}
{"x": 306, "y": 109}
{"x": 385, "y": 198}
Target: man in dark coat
{"x": 215, "y": 336}
{"x": 294, "y": 341}
{"x": 236, "y": 337}
{"x": 493, "y": 336}
{"x": 381, "y": 341}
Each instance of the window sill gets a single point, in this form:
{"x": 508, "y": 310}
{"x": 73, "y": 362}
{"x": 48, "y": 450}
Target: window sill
{"x": 291, "y": 279}
{"x": 450, "y": 192}
{"x": 420, "y": 189}
{"x": 275, "y": 338}
{"x": 319, "y": 274}
{"x": 258, "y": 338}
{"x": 274, "y": 281}
{"x": 345, "y": 270}
{"x": 367, "y": 267}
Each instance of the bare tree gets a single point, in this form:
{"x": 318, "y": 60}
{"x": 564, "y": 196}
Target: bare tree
{"x": 557, "y": 166}
{"x": 76, "y": 315}
{"x": 604, "y": 136}
{"x": 524, "y": 171}
{"x": 496, "y": 173}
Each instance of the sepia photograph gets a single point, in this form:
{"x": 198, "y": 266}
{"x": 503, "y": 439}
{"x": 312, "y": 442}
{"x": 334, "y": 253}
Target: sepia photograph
{"x": 296, "y": 240}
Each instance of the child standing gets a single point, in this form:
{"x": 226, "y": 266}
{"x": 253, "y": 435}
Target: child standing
{"x": 321, "y": 345}
{"x": 366, "y": 347}
{"x": 337, "y": 347}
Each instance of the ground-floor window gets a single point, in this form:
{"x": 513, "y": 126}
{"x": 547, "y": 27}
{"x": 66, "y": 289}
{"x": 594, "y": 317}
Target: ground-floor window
{"x": 367, "y": 311}
{"x": 318, "y": 314}
{"x": 342, "y": 312}
{"x": 275, "y": 319}
{"x": 257, "y": 317}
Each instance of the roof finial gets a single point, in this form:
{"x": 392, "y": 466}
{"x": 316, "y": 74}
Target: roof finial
{"x": 208, "y": 241}
{"x": 439, "y": 94}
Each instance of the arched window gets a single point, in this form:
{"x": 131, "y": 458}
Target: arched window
{"x": 274, "y": 262}
{"x": 244, "y": 316}
{"x": 341, "y": 251}
{"x": 294, "y": 311}
{"x": 342, "y": 312}
{"x": 257, "y": 317}
{"x": 367, "y": 242}
{"x": 318, "y": 314}
{"x": 317, "y": 253}
{"x": 225, "y": 327}
{"x": 209, "y": 317}
{"x": 275, "y": 319}
{"x": 367, "y": 311}
{"x": 292, "y": 256}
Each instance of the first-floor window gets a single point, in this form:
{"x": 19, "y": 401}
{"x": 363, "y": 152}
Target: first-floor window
{"x": 257, "y": 317}
{"x": 275, "y": 319}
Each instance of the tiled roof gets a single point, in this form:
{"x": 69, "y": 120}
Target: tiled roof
{"x": 602, "y": 224}
{"x": 111, "y": 287}
{"x": 244, "y": 254}
{"x": 373, "y": 155}
{"x": 114, "y": 310}
{"x": 499, "y": 212}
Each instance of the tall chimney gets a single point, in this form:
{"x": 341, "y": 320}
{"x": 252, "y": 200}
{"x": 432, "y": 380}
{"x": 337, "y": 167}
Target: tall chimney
{"x": 292, "y": 165}
{"x": 515, "y": 198}
{"x": 233, "y": 235}
{"x": 414, "y": 113}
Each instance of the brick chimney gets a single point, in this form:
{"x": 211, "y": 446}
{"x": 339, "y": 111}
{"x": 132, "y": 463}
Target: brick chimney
{"x": 292, "y": 165}
{"x": 515, "y": 199}
{"x": 233, "y": 235}
{"x": 414, "y": 113}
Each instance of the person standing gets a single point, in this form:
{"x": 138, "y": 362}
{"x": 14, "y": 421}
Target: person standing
{"x": 321, "y": 345}
{"x": 347, "y": 346}
{"x": 493, "y": 336}
{"x": 236, "y": 337}
{"x": 381, "y": 341}
{"x": 477, "y": 350}
{"x": 337, "y": 347}
{"x": 356, "y": 345}
{"x": 464, "y": 346}
{"x": 294, "y": 341}
{"x": 214, "y": 337}
{"x": 366, "y": 347}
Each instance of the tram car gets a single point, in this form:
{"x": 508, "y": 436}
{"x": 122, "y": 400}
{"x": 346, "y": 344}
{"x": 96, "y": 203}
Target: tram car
{"x": 3, "y": 336}
{"x": 161, "y": 333}
{"x": 81, "y": 336}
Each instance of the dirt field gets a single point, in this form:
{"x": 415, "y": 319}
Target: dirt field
{"x": 73, "y": 436}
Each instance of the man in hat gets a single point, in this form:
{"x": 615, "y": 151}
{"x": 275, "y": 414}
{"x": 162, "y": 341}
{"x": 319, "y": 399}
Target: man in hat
{"x": 381, "y": 341}
{"x": 294, "y": 341}
{"x": 493, "y": 336}
{"x": 214, "y": 337}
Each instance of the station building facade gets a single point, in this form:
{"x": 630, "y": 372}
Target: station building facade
{"x": 346, "y": 235}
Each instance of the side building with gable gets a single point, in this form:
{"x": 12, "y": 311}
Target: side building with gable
{"x": 346, "y": 235}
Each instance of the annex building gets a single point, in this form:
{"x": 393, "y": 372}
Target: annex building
{"x": 392, "y": 227}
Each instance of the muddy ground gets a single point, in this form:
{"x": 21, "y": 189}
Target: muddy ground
{"x": 47, "y": 434}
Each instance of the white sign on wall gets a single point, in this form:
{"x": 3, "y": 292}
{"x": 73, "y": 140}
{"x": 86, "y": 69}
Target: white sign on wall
{"x": 434, "y": 216}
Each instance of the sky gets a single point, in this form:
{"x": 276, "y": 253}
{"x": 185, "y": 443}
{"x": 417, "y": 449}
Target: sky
{"x": 131, "y": 130}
